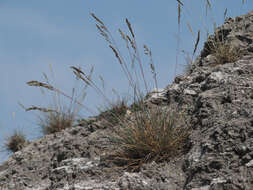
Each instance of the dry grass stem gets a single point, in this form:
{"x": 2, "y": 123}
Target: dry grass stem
{"x": 179, "y": 13}
{"x": 132, "y": 50}
{"x": 130, "y": 28}
{"x": 148, "y": 52}
{"x": 197, "y": 42}
{"x": 40, "y": 84}
{"x": 32, "y": 108}
{"x": 180, "y": 2}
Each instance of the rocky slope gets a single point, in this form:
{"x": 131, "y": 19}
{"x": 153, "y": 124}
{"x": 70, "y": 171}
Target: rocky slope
{"x": 219, "y": 100}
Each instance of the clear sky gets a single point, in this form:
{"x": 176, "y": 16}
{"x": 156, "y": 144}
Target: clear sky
{"x": 61, "y": 33}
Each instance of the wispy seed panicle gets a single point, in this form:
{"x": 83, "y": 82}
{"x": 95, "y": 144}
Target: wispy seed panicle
{"x": 147, "y": 50}
{"x": 102, "y": 80}
{"x": 123, "y": 36}
{"x": 197, "y": 42}
{"x": 179, "y": 1}
{"x": 103, "y": 33}
{"x": 179, "y": 13}
{"x": 190, "y": 28}
{"x": 100, "y": 29}
{"x": 45, "y": 110}
{"x": 208, "y": 3}
{"x": 96, "y": 18}
{"x": 208, "y": 6}
{"x": 104, "y": 28}
{"x": 225, "y": 13}
{"x": 130, "y": 28}
{"x": 132, "y": 43}
{"x": 114, "y": 51}
{"x": 79, "y": 74}
{"x": 116, "y": 54}
{"x": 40, "y": 84}
{"x": 77, "y": 70}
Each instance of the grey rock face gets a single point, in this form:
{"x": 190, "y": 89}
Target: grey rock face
{"x": 219, "y": 101}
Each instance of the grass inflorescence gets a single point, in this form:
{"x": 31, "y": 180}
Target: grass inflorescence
{"x": 145, "y": 134}
{"x": 57, "y": 117}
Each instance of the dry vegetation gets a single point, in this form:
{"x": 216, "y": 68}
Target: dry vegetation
{"x": 115, "y": 112}
{"x": 58, "y": 117}
{"x": 56, "y": 121}
{"x": 222, "y": 50}
{"x": 15, "y": 142}
{"x": 149, "y": 134}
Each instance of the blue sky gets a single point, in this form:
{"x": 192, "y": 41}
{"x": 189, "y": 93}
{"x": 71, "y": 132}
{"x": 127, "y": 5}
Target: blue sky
{"x": 36, "y": 34}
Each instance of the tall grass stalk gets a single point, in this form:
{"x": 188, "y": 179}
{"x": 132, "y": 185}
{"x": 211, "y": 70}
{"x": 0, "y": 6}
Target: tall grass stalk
{"x": 134, "y": 55}
{"x": 58, "y": 117}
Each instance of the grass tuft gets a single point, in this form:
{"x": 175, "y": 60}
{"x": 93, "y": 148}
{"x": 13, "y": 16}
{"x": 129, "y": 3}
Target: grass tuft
{"x": 115, "y": 112}
{"x": 15, "y": 142}
{"x": 151, "y": 135}
{"x": 56, "y": 121}
{"x": 223, "y": 51}
{"x": 60, "y": 117}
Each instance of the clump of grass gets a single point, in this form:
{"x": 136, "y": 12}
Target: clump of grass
{"x": 133, "y": 70}
{"x": 224, "y": 52}
{"x": 15, "y": 142}
{"x": 138, "y": 104}
{"x": 153, "y": 135}
{"x": 147, "y": 134}
{"x": 56, "y": 121}
{"x": 115, "y": 112}
{"x": 58, "y": 117}
{"x": 218, "y": 46}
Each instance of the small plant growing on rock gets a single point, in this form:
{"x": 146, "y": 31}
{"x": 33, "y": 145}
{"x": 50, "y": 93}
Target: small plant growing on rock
{"x": 15, "y": 142}
{"x": 115, "y": 112}
{"x": 147, "y": 134}
{"x": 219, "y": 47}
{"x": 59, "y": 117}
{"x": 153, "y": 135}
{"x": 56, "y": 121}
{"x": 223, "y": 52}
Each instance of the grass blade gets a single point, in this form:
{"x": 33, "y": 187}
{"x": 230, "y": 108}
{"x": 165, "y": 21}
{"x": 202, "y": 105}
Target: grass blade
{"x": 197, "y": 42}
